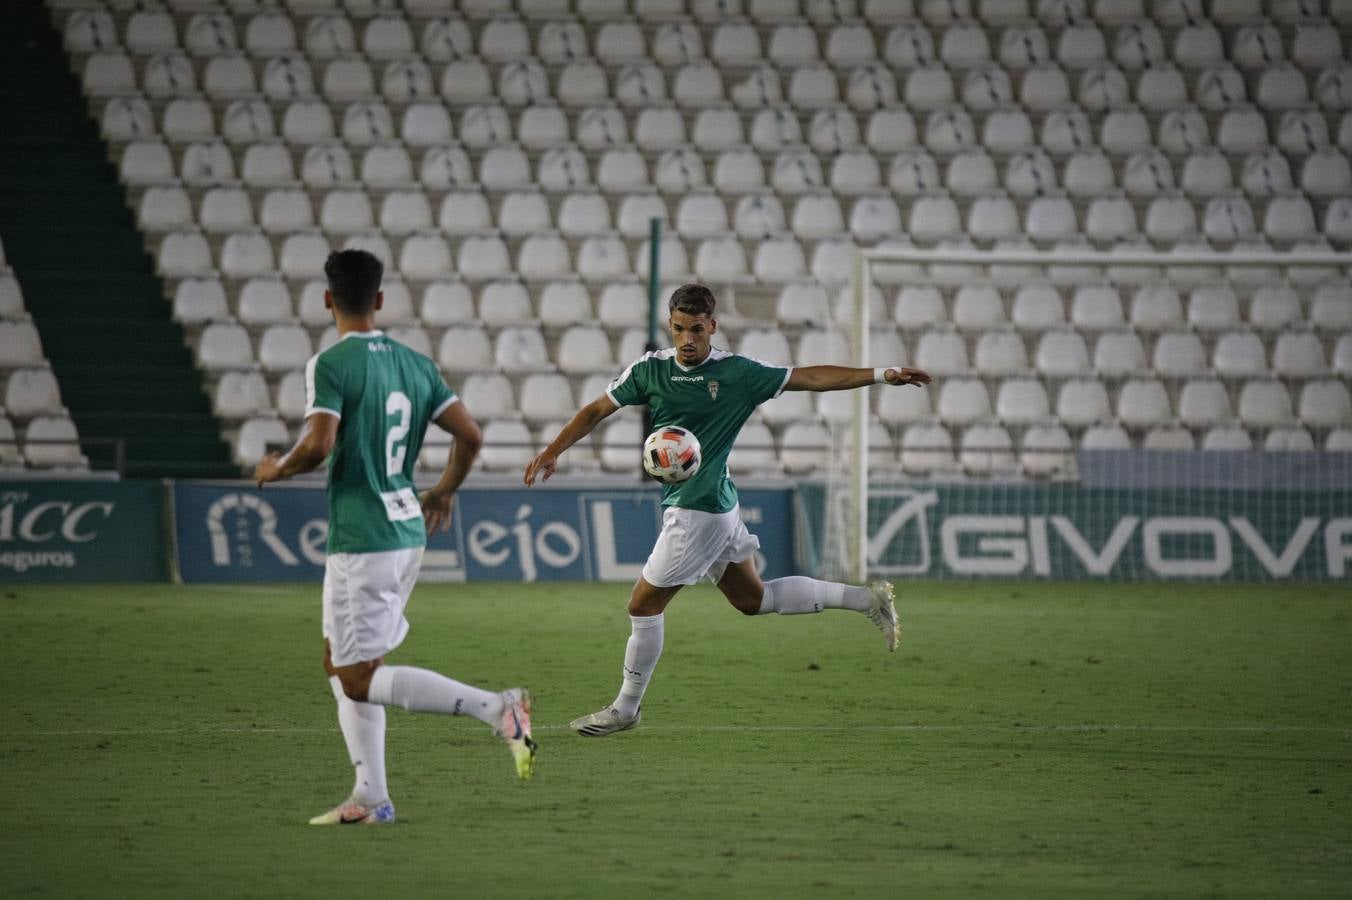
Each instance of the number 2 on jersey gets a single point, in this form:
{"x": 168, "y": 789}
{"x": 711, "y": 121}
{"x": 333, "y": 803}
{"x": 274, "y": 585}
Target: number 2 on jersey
{"x": 397, "y": 404}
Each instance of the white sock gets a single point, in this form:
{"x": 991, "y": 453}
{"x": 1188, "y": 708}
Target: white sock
{"x": 640, "y": 658}
{"x": 797, "y": 594}
{"x": 363, "y": 727}
{"x": 422, "y": 690}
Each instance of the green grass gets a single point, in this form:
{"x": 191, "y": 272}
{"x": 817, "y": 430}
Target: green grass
{"x": 1027, "y": 740}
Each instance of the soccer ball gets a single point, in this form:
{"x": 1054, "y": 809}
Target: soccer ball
{"x": 671, "y": 454}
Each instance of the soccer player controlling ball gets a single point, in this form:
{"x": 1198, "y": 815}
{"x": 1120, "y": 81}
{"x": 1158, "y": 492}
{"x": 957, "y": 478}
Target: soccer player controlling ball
{"x": 368, "y": 402}
{"x": 712, "y": 393}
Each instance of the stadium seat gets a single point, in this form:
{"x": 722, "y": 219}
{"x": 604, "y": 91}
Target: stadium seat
{"x": 754, "y": 452}
{"x": 485, "y": 125}
{"x": 1089, "y": 173}
{"x": 698, "y": 84}
{"x": 978, "y": 307}
{"x": 993, "y": 217}
{"x": 564, "y": 303}
{"x": 963, "y": 400}
{"x": 1298, "y": 354}
{"x": 771, "y": 347}
{"x": 933, "y": 217}
{"x": 1062, "y": 353}
{"x": 1032, "y": 175}
{"x": 1110, "y": 219}
{"x": 639, "y": 84}
{"x": 779, "y": 260}
{"x": 1143, "y": 403}
{"x": 543, "y": 255}
{"x": 1037, "y": 307}
{"x": 426, "y": 255}
{"x": 446, "y": 303}
{"x": 505, "y": 303}
{"x": 1213, "y": 307}
{"x": 1239, "y": 354}
{"x": 927, "y": 448}
{"x": 244, "y": 394}
{"x": 264, "y": 301}
{"x": 224, "y": 345}
{"x": 987, "y": 449}
{"x": 920, "y": 306}
{"x": 822, "y": 347}
{"x": 199, "y": 300}
{"x": 1156, "y": 308}
{"x": 544, "y": 395}
{"x": 701, "y": 215}
{"x": 1325, "y": 404}
{"x": 1021, "y": 401}
{"x": 11, "y": 294}
{"x": 283, "y": 347}
{"x": 31, "y": 392}
{"x": 20, "y": 345}
{"x": 913, "y": 172}
{"x": 620, "y": 440}
{"x": 1265, "y": 404}
{"x": 970, "y": 172}
{"x": 989, "y": 89}
{"x": 465, "y": 348}
{"x": 722, "y": 259}
{"x": 1045, "y": 451}
{"x": 948, "y": 129}
{"x": 1288, "y": 439}
{"x": 52, "y": 442}
{"x": 487, "y": 395}
{"x": 1178, "y": 354}
{"x": 602, "y": 258}
{"x": 1082, "y": 402}
{"x": 164, "y": 208}
{"x": 508, "y": 445}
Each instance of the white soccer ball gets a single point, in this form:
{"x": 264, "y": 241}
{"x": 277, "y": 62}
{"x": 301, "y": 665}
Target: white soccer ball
{"x": 671, "y": 454}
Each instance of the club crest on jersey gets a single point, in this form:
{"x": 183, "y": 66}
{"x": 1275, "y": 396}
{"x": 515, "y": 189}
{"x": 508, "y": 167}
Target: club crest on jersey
{"x": 713, "y": 389}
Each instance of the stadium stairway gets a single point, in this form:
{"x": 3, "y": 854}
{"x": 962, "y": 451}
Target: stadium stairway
{"x": 124, "y": 369}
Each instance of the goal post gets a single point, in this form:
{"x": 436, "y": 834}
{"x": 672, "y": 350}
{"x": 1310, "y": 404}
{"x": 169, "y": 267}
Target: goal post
{"x": 840, "y": 545}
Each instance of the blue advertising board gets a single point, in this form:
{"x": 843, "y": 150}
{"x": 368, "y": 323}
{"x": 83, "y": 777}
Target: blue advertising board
{"x": 81, "y": 531}
{"x": 236, "y": 533}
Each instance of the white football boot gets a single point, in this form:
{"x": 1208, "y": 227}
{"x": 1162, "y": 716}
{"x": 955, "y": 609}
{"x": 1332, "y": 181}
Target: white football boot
{"x": 604, "y": 722}
{"x": 883, "y": 612}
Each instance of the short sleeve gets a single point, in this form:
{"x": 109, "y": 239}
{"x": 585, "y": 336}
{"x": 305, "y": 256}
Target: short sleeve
{"x": 323, "y": 393}
{"x": 627, "y": 390}
{"x": 440, "y": 395}
{"x": 765, "y": 382}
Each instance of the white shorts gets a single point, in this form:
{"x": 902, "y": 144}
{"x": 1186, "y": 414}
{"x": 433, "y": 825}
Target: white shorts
{"x": 695, "y": 544}
{"x": 364, "y": 599}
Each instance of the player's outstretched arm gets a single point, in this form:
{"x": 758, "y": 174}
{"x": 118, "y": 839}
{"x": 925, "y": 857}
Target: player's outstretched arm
{"x": 313, "y": 446}
{"x": 436, "y": 502}
{"x": 581, "y": 425}
{"x": 843, "y": 378}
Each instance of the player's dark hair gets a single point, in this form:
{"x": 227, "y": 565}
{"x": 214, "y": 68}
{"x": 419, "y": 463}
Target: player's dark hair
{"x": 354, "y": 280}
{"x": 693, "y": 300}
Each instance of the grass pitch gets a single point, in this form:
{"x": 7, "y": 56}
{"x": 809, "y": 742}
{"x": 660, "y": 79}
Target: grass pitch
{"x": 1026, "y": 740}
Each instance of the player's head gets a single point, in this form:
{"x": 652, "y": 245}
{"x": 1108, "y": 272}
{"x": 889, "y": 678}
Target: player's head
{"x": 354, "y": 281}
{"x": 692, "y": 323}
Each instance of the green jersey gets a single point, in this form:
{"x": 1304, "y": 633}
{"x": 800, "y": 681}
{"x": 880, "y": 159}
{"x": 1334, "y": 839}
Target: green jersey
{"x": 384, "y": 396}
{"x": 713, "y": 400}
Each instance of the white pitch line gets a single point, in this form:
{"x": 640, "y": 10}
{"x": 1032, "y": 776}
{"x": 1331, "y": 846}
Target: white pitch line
{"x": 973, "y": 727}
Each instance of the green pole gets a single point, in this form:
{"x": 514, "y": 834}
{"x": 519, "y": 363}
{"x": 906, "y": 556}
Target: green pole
{"x": 654, "y": 279}
{"x": 654, "y": 297}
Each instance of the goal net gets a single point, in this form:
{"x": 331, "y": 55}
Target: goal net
{"x": 1128, "y": 415}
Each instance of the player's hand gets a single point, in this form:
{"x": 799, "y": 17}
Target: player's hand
{"x": 436, "y": 510}
{"x": 907, "y": 376}
{"x": 269, "y": 468}
{"x": 542, "y": 466}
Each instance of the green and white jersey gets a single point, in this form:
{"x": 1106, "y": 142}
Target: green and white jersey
{"x": 384, "y": 395}
{"x": 713, "y": 400}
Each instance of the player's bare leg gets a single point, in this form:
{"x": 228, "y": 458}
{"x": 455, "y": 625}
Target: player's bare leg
{"x": 647, "y": 603}
{"x": 795, "y": 595}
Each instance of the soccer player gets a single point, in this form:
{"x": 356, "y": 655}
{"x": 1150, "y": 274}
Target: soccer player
{"x": 712, "y": 393}
{"x": 368, "y": 402}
